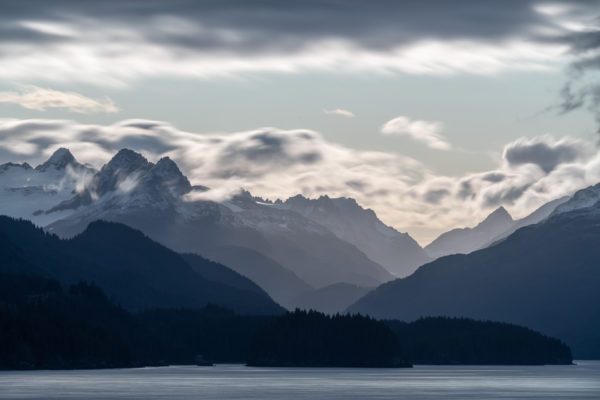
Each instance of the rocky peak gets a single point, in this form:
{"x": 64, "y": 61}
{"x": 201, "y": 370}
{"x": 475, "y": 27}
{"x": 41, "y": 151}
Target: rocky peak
{"x": 499, "y": 216}
{"x": 58, "y": 160}
{"x": 166, "y": 173}
{"x": 127, "y": 160}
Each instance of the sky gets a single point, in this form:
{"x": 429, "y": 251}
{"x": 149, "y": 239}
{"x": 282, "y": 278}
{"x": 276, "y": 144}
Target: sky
{"x": 431, "y": 113}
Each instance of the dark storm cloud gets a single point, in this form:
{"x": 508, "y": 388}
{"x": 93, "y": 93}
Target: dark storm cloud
{"x": 466, "y": 190}
{"x": 114, "y": 42}
{"x": 435, "y": 196}
{"x": 507, "y": 195}
{"x": 547, "y": 154}
{"x": 579, "y": 91}
{"x": 273, "y": 25}
{"x": 266, "y": 148}
{"x": 494, "y": 177}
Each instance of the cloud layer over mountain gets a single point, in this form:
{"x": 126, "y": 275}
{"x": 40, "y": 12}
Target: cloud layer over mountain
{"x": 272, "y": 162}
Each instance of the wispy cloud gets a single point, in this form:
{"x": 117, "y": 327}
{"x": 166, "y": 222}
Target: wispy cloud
{"x": 427, "y": 132}
{"x": 41, "y": 99}
{"x": 341, "y": 112}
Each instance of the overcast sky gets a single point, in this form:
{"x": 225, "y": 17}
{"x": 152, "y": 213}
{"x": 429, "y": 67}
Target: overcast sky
{"x": 432, "y": 113}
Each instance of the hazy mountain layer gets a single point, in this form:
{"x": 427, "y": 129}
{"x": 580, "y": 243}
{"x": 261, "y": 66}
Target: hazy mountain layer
{"x": 466, "y": 240}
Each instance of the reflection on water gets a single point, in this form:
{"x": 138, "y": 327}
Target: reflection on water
{"x": 581, "y": 381}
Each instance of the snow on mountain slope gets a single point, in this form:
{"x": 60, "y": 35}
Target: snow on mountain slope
{"x": 583, "y": 198}
{"x": 26, "y": 191}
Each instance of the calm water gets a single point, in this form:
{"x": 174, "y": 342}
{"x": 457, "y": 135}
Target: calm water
{"x": 581, "y": 381}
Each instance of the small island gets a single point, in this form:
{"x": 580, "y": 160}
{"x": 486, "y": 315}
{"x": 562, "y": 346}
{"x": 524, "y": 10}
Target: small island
{"x": 313, "y": 339}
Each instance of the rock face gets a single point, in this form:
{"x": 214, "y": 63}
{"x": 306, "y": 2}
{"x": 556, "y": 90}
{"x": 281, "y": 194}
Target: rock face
{"x": 544, "y": 276}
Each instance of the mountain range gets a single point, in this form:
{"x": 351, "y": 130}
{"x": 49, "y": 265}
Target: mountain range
{"x": 290, "y": 248}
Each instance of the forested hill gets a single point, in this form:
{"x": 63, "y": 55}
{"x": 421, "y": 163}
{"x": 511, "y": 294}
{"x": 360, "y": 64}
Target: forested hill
{"x": 446, "y": 341}
{"x": 131, "y": 269}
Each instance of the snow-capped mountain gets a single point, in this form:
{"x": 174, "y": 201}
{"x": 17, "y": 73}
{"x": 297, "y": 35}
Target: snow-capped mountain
{"x": 397, "y": 252}
{"x": 129, "y": 173}
{"x": 466, "y": 240}
{"x": 149, "y": 197}
{"x": 26, "y": 191}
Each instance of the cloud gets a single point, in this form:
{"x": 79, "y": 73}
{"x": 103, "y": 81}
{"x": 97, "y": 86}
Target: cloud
{"x": 40, "y": 99}
{"x": 115, "y": 42}
{"x": 582, "y": 89}
{"x": 427, "y": 132}
{"x": 341, "y": 112}
{"x": 545, "y": 152}
{"x": 276, "y": 163}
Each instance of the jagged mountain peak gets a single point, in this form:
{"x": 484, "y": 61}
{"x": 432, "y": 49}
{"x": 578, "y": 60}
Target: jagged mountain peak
{"x": 167, "y": 173}
{"x": 162, "y": 177}
{"x": 498, "y": 215}
{"x": 466, "y": 240}
{"x": 8, "y": 165}
{"x": 59, "y": 160}
{"x": 127, "y": 159}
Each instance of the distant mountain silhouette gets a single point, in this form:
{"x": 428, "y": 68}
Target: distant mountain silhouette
{"x": 135, "y": 271}
{"x": 544, "y": 276}
{"x": 398, "y": 252}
